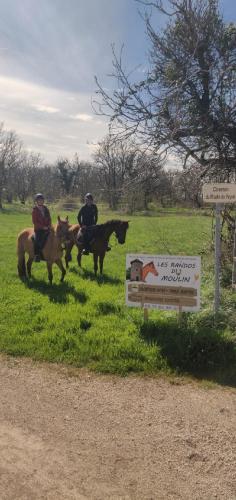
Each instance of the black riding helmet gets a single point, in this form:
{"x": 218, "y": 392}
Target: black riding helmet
{"x": 89, "y": 196}
{"x": 39, "y": 196}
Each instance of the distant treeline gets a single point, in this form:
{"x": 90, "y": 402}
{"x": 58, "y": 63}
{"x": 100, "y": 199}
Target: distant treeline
{"x": 120, "y": 174}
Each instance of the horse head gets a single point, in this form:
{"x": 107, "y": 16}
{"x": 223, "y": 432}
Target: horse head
{"x": 152, "y": 269}
{"x": 62, "y": 229}
{"x": 120, "y": 231}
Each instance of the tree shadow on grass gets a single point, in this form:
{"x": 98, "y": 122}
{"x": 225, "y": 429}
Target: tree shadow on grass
{"x": 100, "y": 278}
{"x": 200, "y": 351}
{"x": 57, "y": 292}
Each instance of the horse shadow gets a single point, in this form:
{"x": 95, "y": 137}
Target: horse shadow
{"x": 100, "y": 278}
{"x": 57, "y": 292}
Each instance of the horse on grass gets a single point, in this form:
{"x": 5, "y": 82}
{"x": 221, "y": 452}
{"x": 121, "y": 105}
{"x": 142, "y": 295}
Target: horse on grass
{"x": 99, "y": 242}
{"x": 52, "y": 251}
{"x": 72, "y": 240}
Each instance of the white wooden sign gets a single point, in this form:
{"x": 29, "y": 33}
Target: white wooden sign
{"x": 163, "y": 282}
{"x": 219, "y": 193}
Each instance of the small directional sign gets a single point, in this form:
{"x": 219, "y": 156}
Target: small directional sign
{"x": 219, "y": 193}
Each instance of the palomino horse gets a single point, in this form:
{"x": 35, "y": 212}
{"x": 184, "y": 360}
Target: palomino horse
{"x": 100, "y": 239}
{"x": 52, "y": 251}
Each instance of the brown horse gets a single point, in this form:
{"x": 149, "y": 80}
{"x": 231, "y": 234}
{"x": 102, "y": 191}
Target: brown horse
{"x": 72, "y": 238}
{"x": 52, "y": 251}
{"x": 99, "y": 243}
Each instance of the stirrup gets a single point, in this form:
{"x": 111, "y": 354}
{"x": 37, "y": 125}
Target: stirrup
{"x": 85, "y": 252}
{"x": 37, "y": 258}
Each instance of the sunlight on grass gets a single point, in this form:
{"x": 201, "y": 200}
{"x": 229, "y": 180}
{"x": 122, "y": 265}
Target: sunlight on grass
{"x": 84, "y": 321}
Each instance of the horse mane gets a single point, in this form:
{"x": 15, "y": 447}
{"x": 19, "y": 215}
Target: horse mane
{"x": 111, "y": 222}
{"x": 99, "y": 229}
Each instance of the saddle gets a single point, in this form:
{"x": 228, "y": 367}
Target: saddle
{"x": 86, "y": 233}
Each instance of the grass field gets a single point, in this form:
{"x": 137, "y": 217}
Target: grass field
{"x": 84, "y": 321}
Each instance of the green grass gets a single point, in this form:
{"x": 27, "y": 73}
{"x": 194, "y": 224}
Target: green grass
{"x": 84, "y": 321}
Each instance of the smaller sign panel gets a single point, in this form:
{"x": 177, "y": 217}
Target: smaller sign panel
{"x": 163, "y": 282}
{"x": 219, "y": 193}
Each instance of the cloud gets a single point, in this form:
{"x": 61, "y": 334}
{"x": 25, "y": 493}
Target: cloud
{"x": 50, "y": 54}
{"x": 50, "y": 121}
{"x": 45, "y": 109}
{"x": 83, "y": 117}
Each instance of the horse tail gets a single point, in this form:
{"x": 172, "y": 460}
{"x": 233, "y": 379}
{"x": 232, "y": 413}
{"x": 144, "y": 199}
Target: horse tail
{"x": 21, "y": 257}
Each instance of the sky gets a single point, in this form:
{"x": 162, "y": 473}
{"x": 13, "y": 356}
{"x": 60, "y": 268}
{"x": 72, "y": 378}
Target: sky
{"x": 50, "y": 52}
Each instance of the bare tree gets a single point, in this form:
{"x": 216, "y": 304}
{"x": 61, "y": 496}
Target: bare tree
{"x": 10, "y": 150}
{"x": 68, "y": 174}
{"x": 187, "y": 100}
{"x": 116, "y": 161}
{"x": 127, "y": 173}
{"x": 89, "y": 181}
{"x": 28, "y": 171}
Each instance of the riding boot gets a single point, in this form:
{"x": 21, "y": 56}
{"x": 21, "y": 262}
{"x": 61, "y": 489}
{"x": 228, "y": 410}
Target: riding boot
{"x": 39, "y": 243}
{"x": 37, "y": 252}
{"x": 87, "y": 239}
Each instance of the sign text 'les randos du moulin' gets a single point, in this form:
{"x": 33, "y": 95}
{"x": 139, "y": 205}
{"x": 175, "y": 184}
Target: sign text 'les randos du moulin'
{"x": 163, "y": 282}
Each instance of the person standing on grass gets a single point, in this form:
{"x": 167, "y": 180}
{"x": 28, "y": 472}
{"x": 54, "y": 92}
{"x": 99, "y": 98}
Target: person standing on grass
{"x": 42, "y": 224}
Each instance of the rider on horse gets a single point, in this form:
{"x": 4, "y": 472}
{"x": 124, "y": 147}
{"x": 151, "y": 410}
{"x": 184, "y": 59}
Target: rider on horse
{"x": 42, "y": 223}
{"x": 87, "y": 218}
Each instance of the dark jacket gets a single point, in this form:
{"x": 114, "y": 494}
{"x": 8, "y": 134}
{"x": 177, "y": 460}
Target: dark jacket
{"x": 41, "y": 220}
{"x": 88, "y": 215}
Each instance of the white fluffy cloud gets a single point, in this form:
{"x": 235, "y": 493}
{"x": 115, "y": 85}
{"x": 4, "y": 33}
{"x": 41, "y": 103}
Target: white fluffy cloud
{"x": 45, "y": 109}
{"x": 52, "y": 121}
{"x": 83, "y": 117}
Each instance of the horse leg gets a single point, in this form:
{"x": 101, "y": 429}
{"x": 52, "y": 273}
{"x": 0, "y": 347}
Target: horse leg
{"x": 68, "y": 256}
{"x": 101, "y": 259}
{"x": 21, "y": 258}
{"x": 50, "y": 275}
{"x": 29, "y": 265}
{"x": 63, "y": 271}
{"x": 21, "y": 266}
{"x": 79, "y": 256}
{"x": 95, "y": 261}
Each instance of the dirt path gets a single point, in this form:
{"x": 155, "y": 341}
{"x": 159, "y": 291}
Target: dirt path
{"x": 95, "y": 437}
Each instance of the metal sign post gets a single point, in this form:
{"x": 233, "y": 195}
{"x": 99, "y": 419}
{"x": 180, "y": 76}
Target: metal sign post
{"x": 234, "y": 260}
{"x": 217, "y": 256}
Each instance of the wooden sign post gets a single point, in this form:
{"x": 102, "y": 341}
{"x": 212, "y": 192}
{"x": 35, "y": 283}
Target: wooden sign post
{"x": 145, "y": 310}
{"x": 145, "y": 314}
